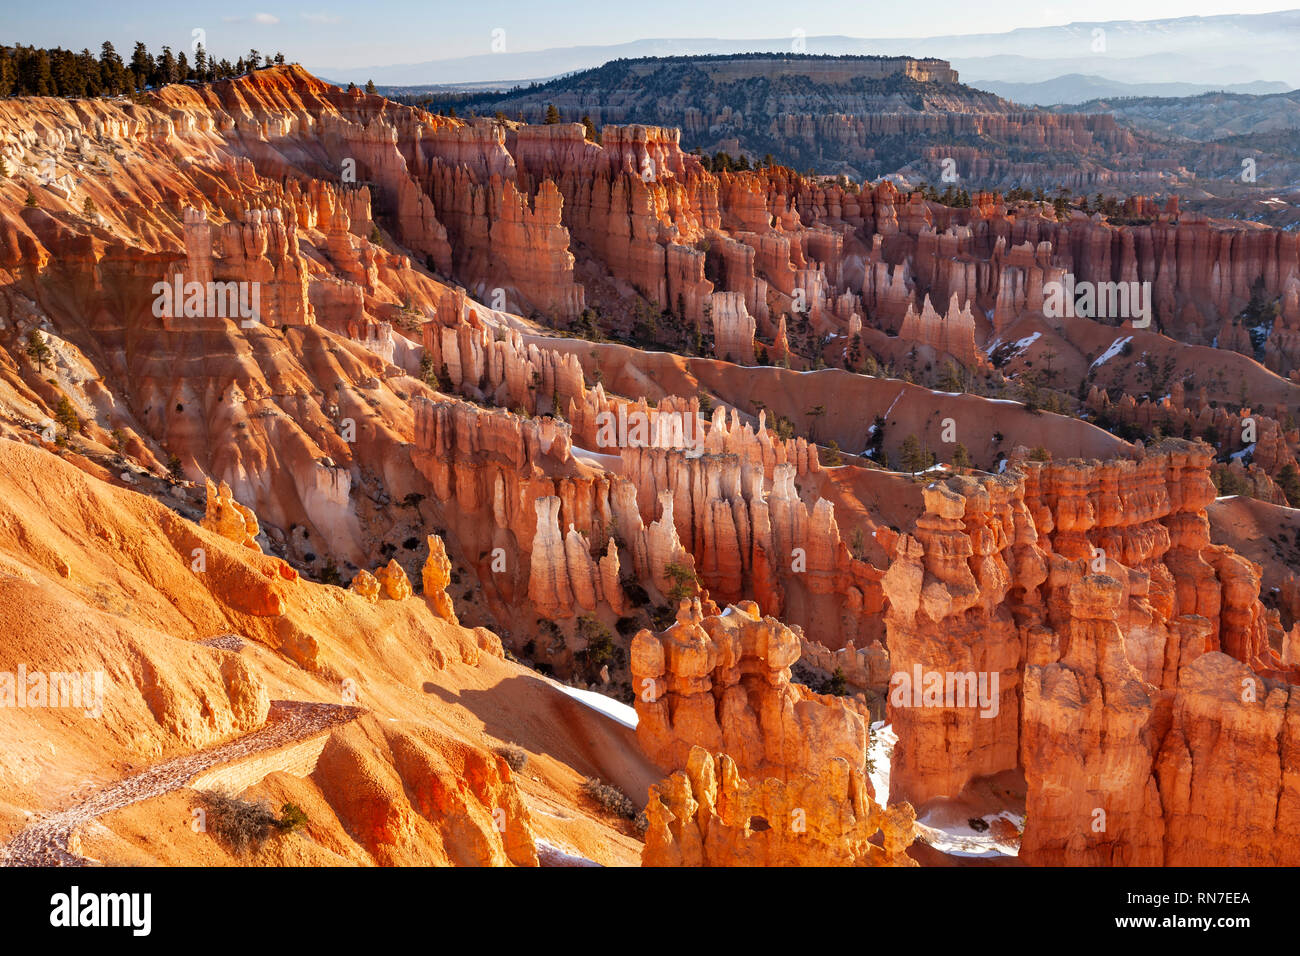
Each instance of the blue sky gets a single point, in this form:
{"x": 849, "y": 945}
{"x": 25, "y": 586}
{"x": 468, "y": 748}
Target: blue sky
{"x": 396, "y": 31}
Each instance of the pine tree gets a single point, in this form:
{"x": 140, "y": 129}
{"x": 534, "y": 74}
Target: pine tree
{"x": 37, "y": 350}
{"x": 816, "y": 412}
{"x": 913, "y": 459}
{"x": 141, "y": 66}
{"x": 552, "y": 115}
{"x": 370, "y": 86}
{"x": 41, "y": 79}
{"x": 1288, "y": 479}
{"x": 590, "y": 128}
{"x": 167, "y": 66}
{"x": 951, "y": 379}
{"x": 111, "y": 70}
{"x": 67, "y": 416}
{"x": 961, "y": 457}
{"x": 87, "y": 74}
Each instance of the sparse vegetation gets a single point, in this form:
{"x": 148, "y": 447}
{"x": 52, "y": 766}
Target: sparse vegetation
{"x": 609, "y": 798}
{"x": 516, "y": 757}
{"x": 600, "y": 649}
{"x": 685, "y": 583}
{"x": 243, "y": 826}
{"x": 837, "y": 684}
{"x": 292, "y": 817}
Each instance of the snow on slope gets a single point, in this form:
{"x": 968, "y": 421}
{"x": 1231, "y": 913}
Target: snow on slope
{"x": 611, "y": 708}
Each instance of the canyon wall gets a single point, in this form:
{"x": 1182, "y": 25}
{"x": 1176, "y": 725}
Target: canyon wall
{"x": 1093, "y": 586}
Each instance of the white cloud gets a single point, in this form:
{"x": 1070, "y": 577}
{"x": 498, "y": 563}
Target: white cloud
{"x": 266, "y": 19}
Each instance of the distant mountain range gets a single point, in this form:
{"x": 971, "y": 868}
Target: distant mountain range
{"x": 1207, "y": 52}
{"x": 1080, "y": 88}
{"x": 1215, "y": 116}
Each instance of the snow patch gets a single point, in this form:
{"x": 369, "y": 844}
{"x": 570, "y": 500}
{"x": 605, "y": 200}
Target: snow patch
{"x": 551, "y": 854}
{"x": 1115, "y": 348}
{"x": 958, "y": 838}
{"x": 893, "y": 403}
{"x": 615, "y": 710}
{"x": 879, "y": 755}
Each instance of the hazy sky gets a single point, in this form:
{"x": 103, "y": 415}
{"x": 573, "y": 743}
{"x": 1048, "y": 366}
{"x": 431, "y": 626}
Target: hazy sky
{"x": 396, "y": 31}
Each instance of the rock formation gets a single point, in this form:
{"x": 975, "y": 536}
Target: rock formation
{"x": 228, "y": 518}
{"x": 435, "y": 578}
{"x": 392, "y": 578}
{"x": 1094, "y": 585}
{"x": 366, "y": 585}
{"x": 946, "y": 622}
{"x": 708, "y": 814}
{"x": 733, "y": 328}
{"x": 722, "y": 682}
{"x": 953, "y": 333}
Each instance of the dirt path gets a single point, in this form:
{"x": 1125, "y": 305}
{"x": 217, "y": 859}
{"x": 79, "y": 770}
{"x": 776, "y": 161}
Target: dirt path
{"x": 46, "y": 843}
